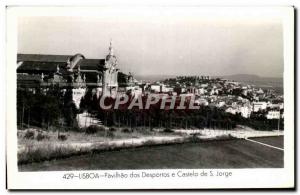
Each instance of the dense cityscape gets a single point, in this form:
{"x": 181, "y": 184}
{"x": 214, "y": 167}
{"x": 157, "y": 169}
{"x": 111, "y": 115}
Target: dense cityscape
{"x": 78, "y": 86}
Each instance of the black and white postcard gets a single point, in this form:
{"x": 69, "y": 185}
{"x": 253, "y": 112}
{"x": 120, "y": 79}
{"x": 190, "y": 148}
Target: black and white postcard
{"x": 150, "y": 97}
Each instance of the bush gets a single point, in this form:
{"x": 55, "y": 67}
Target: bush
{"x": 29, "y": 134}
{"x": 168, "y": 130}
{"x": 125, "y": 130}
{"x": 74, "y": 129}
{"x": 193, "y": 138}
{"x": 225, "y": 137}
{"x": 41, "y": 136}
{"x": 62, "y": 137}
{"x": 149, "y": 143}
{"x": 92, "y": 129}
{"x": 110, "y": 134}
{"x": 112, "y": 129}
{"x": 19, "y": 135}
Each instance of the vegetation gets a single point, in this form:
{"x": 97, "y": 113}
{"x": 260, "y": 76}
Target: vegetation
{"x": 62, "y": 137}
{"x": 205, "y": 117}
{"x": 44, "y": 109}
{"x": 44, "y": 145}
{"x": 41, "y": 136}
{"x": 168, "y": 130}
{"x": 29, "y": 134}
{"x": 92, "y": 129}
{"x": 56, "y": 108}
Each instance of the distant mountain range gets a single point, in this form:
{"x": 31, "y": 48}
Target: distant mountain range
{"x": 152, "y": 78}
{"x": 235, "y": 77}
{"x": 262, "y": 82}
{"x": 249, "y": 79}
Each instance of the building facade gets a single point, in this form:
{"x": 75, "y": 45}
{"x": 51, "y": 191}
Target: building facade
{"x": 68, "y": 72}
{"x": 110, "y": 74}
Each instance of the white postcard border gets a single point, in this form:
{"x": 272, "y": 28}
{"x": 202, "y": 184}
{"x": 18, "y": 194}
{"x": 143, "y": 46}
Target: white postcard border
{"x": 242, "y": 178}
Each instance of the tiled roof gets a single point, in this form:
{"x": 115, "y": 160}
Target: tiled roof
{"x": 90, "y": 64}
{"x": 24, "y": 77}
{"x": 40, "y": 66}
{"x": 49, "y": 63}
{"x": 91, "y": 77}
{"x": 42, "y": 58}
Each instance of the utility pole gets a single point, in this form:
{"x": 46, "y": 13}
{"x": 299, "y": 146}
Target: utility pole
{"x": 278, "y": 122}
{"x": 29, "y": 117}
{"x": 22, "y": 115}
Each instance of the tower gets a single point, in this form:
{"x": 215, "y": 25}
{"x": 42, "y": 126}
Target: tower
{"x": 110, "y": 74}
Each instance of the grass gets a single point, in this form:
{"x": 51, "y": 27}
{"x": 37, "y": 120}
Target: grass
{"x": 99, "y": 136}
{"x": 36, "y": 145}
{"x": 33, "y": 149}
{"x": 216, "y": 154}
{"x": 279, "y": 142}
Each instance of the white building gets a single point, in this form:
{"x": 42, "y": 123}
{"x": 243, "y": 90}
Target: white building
{"x": 220, "y": 104}
{"x": 201, "y": 101}
{"x": 260, "y": 91}
{"x": 276, "y": 106}
{"x": 78, "y": 93}
{"x": 273, "y": 114}
{"x": 231, "y": 110}
{"x": 245, "y": 111}
{"x": 259, "y": 106}
{"x": 155, "y": 88}
{"x": 201, "y": 91}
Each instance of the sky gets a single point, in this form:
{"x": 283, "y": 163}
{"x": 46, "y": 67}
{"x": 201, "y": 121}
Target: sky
{"x": 163, "y": 42}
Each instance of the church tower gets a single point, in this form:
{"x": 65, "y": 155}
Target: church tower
{"x": 110, "y": 74}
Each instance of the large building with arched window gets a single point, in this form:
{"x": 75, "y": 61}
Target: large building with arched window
{"x": 68, "y": 71}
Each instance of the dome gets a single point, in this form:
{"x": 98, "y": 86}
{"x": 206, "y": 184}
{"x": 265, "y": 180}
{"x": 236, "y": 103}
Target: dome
{"x": 72, "y": 61}
{"x": 108, "y": 57}
{"x": 78, "y": 55}
{"x": 111, "y": 58}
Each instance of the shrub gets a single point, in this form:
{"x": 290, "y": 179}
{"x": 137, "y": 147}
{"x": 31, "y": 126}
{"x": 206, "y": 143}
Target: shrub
{"x": 62, "y": 137}
{"x": 41, "y": 136}
{"x": 74, "y": 129}
{"x": 92, "y": 129}
{"x": 224, "y": 137}
{"x": 149, "y": 143}
{"x": 110, "y": 134}
{"x": 29, "y": 134}
{"x": 168, "y": 130}
{"x": 125, "y": 130}
{"x": 19, "y": 134}
{"x": 193, "y": 138}
{"x": 112, "y": 129}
